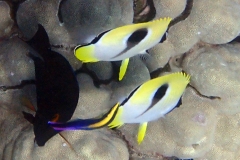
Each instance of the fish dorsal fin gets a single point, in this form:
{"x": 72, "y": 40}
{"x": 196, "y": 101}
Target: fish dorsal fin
{"x": 159, "y": 85}
{"x": 165, "y": 20}
{"x": 138, "y": 30}
{"x": 181, "y": 76}
{"x": 40, "y": 41}
{"x": 98, "y": 37}
{"x": 130, "y": 95}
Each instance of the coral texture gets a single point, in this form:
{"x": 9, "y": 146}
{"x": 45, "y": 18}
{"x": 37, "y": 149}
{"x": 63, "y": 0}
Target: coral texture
{"x": 214, "y": 26}
{"x": 6, "y": 22}
{"x": 201, "y": 128}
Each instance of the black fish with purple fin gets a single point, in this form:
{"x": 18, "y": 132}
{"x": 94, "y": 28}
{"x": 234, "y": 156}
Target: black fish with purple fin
{"x": 56, "y": 86}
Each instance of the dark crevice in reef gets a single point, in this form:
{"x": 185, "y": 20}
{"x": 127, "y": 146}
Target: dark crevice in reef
{"x": 20, "y": 86}
{"x": 60, "y": 17}
{"x": 14, "y": 8}
{"x": 96, "y": 81}
{"x": 14, "y": 5}
{"x": 133, "y": 152}
{"x": 141, "y": 14}
{"x": 158, "y": 71}
{"x": 184, "y": 14}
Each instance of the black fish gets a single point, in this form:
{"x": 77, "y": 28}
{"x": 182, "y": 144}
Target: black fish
{"x": 56, "y": 86}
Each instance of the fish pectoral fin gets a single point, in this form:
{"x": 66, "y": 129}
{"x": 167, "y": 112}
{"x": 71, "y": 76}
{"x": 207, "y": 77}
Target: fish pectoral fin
{"x": 123, "y": 69}
{"x": 144, "y": 52}
{"x": 141, "y": 132}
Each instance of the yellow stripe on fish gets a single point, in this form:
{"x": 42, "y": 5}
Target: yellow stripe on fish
{"x": 123, "y": 42}
{"x": 107, "y": 118}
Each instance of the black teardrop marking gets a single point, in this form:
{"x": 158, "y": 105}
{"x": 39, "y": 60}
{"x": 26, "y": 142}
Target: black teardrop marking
{"x": 137, "y": 36}
{"x": 160, "y": 93}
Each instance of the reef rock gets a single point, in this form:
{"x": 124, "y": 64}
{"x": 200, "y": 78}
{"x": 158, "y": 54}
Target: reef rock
{"x": 215, "y": 26}
{"x": 6, "y": 21}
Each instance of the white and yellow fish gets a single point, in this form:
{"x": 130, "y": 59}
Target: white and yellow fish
{"x": 148, "y": 102}
{"x": 123, "y": 42}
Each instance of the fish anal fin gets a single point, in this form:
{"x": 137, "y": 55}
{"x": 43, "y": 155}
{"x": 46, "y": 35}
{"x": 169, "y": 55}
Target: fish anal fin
{"x": 141, "y": 132}
{"x": 29, "y": 117}
{"x": 27, "y": 103}
{"x": 123, "y": 69}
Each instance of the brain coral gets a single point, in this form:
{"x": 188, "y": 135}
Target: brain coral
{"x": 6, "y": 22}
{"x": 215, "y": 26}
{"x": 201, "y": 128}
{"x": 196, "y": 129}
{"x": 17, "y": 135}
{"x": 73, "y": 21}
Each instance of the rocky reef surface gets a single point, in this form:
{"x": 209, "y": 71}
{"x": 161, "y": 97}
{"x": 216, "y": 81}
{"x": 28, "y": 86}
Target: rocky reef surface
{"x": 202, "y": 41}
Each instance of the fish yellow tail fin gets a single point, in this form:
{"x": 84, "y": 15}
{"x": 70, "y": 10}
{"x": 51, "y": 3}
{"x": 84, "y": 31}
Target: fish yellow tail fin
{"x": 85, "y": 53}
{"x": 27, "y": 103}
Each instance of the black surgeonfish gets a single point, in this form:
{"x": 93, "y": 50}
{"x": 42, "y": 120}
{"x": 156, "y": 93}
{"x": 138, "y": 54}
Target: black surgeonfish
{"x": 56, "y": 86}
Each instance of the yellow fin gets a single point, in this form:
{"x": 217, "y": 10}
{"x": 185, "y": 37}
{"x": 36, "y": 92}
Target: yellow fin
{"x": 181, "y": 75}
{"x": 123, "y": 68}
{"x": 85, "y": 53}
{"x": 141, "y": 132}
{"x": 167, "y": 20}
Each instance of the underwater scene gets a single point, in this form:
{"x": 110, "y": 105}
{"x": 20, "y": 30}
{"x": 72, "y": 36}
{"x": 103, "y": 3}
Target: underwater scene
{"x": 120, "y": 79}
